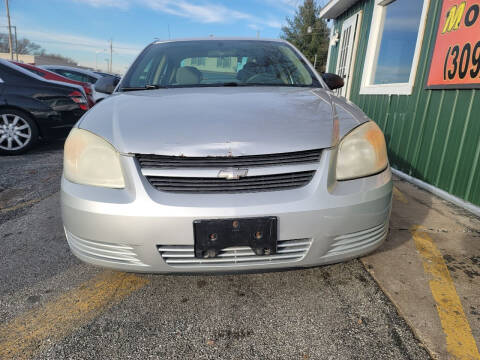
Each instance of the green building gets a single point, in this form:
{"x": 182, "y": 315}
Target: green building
{"x": 413, "y": 66}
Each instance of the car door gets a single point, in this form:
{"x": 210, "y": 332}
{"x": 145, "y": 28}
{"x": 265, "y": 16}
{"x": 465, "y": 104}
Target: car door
{"x": 346, "y": 54}
{"x": 2, "y": 84}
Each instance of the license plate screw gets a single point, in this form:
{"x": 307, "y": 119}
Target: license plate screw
{"x": 210, "y": 253}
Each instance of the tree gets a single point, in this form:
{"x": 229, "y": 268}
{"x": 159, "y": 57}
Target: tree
{"x": 24, "y": 46}
{"x": 27, "y": 47}
{"x": 310, "y": 43}
{"x": 4, "y": 43}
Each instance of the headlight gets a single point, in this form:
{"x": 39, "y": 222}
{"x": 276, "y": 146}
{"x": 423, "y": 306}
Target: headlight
{"x": 362, "y": 152}
{"x": 90, "y": 160}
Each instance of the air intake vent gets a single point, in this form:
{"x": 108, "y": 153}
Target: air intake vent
{"x": 356, "y": 241}
{"x": 161, "y": 161}
{"x": 217, "y": 185}
{"x": 183, "y": 255}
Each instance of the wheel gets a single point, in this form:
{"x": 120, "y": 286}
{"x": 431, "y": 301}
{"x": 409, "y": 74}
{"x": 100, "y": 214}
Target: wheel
{"x": 18, "y": 132}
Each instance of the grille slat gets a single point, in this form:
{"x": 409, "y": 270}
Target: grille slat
{"x": 231, "y": 163}
{"x": 163, "y": 161}
{"x": 164, "y": 180}
{"x": 246, "y": 184}
{"x": 183, "y": 255}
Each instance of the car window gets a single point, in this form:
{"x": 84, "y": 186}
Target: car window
{"x": 70, "y": 74}
{"x": 77, "y": 76}
{"x": 216, "y": 63}
{"x": 90, "y": 79}
{"x": 214, "y": 69}
{"x": 151, "y": 71}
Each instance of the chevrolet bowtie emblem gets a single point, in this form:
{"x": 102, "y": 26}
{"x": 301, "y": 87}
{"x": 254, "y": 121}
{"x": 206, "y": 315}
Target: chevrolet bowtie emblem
{"x": 232, "y": 174}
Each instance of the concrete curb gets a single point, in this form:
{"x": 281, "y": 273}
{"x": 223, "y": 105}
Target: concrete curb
{"x": 439, "y": 192}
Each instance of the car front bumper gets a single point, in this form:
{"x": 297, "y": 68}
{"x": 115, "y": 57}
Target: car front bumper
{"x": 141, "y": 229}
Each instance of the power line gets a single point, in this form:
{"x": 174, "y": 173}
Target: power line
{"x": 81, "y": 44}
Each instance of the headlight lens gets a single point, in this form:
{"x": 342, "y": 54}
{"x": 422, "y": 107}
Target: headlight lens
{"x": 90, "y": 160}
{"x": 362, "y": 152}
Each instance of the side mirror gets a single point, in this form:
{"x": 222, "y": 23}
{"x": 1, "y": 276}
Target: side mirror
{"x": 106, "y": 84}
{"x": 333, "y": 81}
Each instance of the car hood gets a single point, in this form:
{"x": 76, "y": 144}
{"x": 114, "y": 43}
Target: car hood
{"x": 220, "y": 121}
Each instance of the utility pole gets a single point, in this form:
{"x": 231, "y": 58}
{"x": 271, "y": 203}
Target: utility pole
{"x": 111, "y": 55}
{"x": 16, "y": 44}
{"x": 9, "y": 31}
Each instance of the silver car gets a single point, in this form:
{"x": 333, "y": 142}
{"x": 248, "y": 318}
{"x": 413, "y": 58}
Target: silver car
{"x": 224, "y": 155}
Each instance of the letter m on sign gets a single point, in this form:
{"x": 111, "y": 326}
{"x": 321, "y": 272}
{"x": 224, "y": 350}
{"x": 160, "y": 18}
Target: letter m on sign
{"x": 454, "y": 17}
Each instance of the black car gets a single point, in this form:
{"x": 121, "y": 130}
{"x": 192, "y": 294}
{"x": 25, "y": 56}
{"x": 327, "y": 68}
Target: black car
{"x": 32, "y": 108}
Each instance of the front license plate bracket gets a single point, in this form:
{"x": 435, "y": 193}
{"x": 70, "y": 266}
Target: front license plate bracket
{"x": 213, "y": 236}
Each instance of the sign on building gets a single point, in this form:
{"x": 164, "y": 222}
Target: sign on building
{"x": 455, "y": 60}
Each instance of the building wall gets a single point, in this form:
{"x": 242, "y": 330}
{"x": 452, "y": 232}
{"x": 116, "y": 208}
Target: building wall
{"x": 433, "y": 135}
{"x": 38, "y": 59}
{"x": 22, "y": 58}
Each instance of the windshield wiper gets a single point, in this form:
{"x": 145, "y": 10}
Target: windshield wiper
{"x": 274, "y": 84}
{"x": 146, "y": 87}
{"x": 231, "y": 83}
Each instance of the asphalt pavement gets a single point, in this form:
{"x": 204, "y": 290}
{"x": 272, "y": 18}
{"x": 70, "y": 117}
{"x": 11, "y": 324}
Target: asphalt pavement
{"x": 52, "y": 306}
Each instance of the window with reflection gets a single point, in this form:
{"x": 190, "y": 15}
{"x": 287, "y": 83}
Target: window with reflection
{"x": 397, "y": 39}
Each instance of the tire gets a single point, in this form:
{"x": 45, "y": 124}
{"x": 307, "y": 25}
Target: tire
{"x": 18, "y": 132}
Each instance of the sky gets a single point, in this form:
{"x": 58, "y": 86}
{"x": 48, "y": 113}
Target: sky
{"x": 82, "y": 29}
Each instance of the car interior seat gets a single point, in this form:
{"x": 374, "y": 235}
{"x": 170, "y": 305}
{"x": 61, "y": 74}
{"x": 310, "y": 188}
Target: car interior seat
{"x": 188, "y": 75}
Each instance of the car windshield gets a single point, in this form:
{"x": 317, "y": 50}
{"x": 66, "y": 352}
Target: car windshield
{"x": 218, "y": 63}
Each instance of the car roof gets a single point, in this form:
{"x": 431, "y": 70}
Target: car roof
{"x": 222, "y": 39}
{"x": 20, "y": 69}
{"x": 37, "y": 77}
{"x": 71, "y": 68}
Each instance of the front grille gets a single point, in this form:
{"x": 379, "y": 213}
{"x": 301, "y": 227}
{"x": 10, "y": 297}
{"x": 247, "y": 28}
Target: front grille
{"x": 162, "y": 161}
{"x": 183, "y": 255}
{"x": 218, "y": 185}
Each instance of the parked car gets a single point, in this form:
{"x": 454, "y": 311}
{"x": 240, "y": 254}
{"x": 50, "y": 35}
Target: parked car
{"x": 74, "y": 73}
{"x": 32, "y": 108}
{"x": 78, "y": 74}
{"x": 106, "y": 74}
{"x": 224, "y": 155}
{"x": 49, "y": 75}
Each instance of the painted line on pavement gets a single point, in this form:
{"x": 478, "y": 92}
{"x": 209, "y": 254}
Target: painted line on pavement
{"x": 460, "y": 341}
{"x": 398, "y": 195}
{"x": 21, "y": 337}
{"x": 24, "y": 204}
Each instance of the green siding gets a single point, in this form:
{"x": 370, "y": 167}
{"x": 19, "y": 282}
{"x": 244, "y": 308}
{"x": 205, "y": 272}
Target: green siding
{"x": 433, "y": 135}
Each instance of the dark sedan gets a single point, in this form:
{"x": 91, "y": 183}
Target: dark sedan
{"x": 32, "y": 108}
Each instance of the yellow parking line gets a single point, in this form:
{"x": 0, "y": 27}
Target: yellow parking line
{"x": 23, "y": 204}
{"x": 398, "y": 195}
{"x": 460, "y": 342}
{"x": 21, "y": 337}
